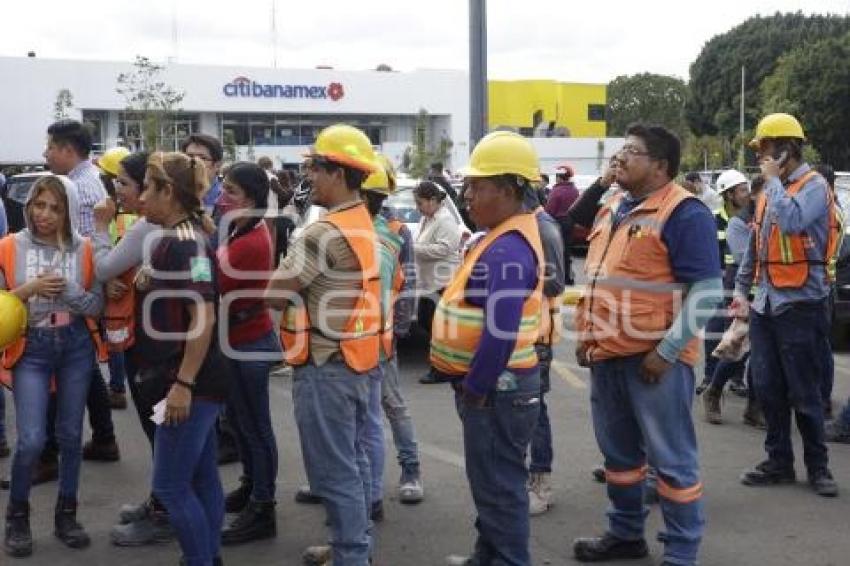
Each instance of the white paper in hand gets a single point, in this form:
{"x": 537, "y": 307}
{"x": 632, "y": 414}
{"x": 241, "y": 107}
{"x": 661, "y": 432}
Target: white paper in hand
{"x": 158, "y": 416}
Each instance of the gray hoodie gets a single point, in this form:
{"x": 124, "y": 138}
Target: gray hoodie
{"x": 33, "y": 257}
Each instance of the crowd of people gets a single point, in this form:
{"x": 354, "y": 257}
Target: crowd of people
{"x": 184, "y": 277}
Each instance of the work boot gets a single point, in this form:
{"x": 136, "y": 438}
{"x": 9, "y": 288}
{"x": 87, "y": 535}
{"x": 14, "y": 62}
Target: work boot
{"x": 304, "y": 495}
{"x": 317, "y": 556}
{"x": 539, "y": 493}
{"x": 132, "y": 512}
{"x": 410, "y": 490}
{"x": 153, "y": 528}
{"x": 377, "y": 511}
{"x": 711, "y": 404}
{"x": 18, "y": 539}
{"x": 47, "y": 468}
{"x": 238, "y": 499}
{"x": 101, "y": 451}
{"x": 4, "y": 448}
{"x": 607, "y": 548}
{"x": 255, "y": 522}
{"x": 67, "y": 529}
{"x": 823, "y": 484}
{"x": 753, "y": 415}
{"x": 117, "y": 400}
{"x": 769, "y": 473}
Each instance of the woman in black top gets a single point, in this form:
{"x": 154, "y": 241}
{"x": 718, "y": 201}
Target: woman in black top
{"x": 179, "y": 356}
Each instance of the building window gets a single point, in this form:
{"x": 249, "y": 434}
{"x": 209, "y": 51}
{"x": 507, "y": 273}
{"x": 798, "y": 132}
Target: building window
{"x": 96, "y": 122}
{"x": 596, "y": 112}
{"x": 172, "y": 130}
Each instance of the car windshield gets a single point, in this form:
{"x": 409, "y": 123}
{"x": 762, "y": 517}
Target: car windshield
{"x": 18, "y": 189}
{"x": 403, "y": 206}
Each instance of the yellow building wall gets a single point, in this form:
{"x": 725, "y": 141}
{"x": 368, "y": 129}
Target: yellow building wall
{"x": 513, "y": 103}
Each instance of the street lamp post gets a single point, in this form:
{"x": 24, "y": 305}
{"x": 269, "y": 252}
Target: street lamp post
{"x": 477, "y": 70}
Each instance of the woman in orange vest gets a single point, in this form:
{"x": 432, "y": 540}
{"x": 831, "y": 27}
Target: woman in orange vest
{"x": 49, "y": 266}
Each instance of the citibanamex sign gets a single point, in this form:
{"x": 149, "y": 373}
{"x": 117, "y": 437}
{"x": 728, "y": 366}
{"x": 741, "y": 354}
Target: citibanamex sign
{"x": 245, "y": 87}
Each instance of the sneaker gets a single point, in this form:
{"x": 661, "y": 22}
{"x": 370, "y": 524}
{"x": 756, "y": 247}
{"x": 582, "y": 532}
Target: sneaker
{"x": 317, "y": 556}
{"x": 429, "y": 378}
{"x": 607, "y": 548}
{"x": 152, "y": 529}
{"x": 410, "y": 490}
{"x": 255, "y": 522}
{"x": 132, "y": 512}
{"x": 823, "y": 484}
{"x": 101, "y": 451}
{"x": 837, "y": 432}
{"x": 539, "y": 493}
{"x": 456, "y": 560}
{"x": 769, "y": 473}
{"x": 117, "y": 400}
{"x": 304, "y": 495}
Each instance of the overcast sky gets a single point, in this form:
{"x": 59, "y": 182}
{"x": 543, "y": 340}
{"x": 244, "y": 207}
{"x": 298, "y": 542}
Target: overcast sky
{"x": 567, "y": 40}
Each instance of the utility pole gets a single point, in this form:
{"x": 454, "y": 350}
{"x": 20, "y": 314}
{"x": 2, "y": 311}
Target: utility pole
{"x": 478, "y": 123}
{"x": 741, "y": 149}
{"x": 274, "y": 34}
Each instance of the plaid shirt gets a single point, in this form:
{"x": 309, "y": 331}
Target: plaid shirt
{"x": 90, "y": 191}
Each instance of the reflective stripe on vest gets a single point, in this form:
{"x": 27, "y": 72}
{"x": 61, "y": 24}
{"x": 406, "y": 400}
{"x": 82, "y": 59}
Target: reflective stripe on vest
{"x": 359, "y": 341}
{"x": 13, "y": 353}
{"x": 633, "y": 297}
{"x": 626, "y": 477}
{"x": 551, "y": 321}
{"x": 786, "y": 261}
{"x": 459, "y": 325}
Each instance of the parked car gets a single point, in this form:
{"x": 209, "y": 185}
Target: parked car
{"x": 15, "y": 196}
{"x": 402, "y": 206}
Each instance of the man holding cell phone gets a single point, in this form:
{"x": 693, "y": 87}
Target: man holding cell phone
{"x": 796, "y": 231}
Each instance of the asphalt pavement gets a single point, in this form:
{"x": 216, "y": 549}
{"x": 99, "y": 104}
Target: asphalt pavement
{"x": 786, "y": 525}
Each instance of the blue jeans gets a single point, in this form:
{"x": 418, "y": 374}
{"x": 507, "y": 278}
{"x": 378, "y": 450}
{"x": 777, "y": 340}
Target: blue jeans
{"x": 635, "y": 423}
{"x": 788, "y": 364}
{"x": 495, "y": 445}
{"x": 725, "y": 370}
{"x": 249, "y": 402}
{"x": 375, "y": 435}
{"x": 541, "y": 441}
{"x": 331, "y": 406}
{"x": 404, "y": 435}
{"x": 186, "y": 481}
{"x": 117, "y": 374}
{"x": 714, "y": 329}
{"x": 68, "y": 353}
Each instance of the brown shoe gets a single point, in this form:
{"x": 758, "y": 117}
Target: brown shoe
{"x": 101, "y": 451}
{"x": 117, "y": 400}
{"x": 711, "y": 404}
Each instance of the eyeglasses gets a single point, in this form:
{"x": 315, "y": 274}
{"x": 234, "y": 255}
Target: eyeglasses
{"x": 201, "y": 156}
{"x": 632, "y": 150}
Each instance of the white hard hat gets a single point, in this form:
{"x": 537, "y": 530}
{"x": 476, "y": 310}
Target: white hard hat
{"x": 730, "y": 179}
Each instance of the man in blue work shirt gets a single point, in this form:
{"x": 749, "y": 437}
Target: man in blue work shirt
{"x": 793, "y": 238}
{"x": 654, "y": 270}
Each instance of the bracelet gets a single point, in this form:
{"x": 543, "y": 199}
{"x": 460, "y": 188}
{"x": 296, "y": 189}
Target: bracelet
{"x": 187, "y": 384}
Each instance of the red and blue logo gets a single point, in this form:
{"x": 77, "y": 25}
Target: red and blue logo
{"x": 245, "y": 87}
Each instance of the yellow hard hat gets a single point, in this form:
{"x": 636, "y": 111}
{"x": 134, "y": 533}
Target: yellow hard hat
{"x": 777, "y": 125}
{"x": 345, "y": 145}
{"x": 381, "y": 181}
{"x": 503, "y": 153}
{"x": 13, "y": 319}
{"x": 109, "y": 161}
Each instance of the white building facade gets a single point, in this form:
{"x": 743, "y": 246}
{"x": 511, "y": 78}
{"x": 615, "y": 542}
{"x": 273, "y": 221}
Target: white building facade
{"x": 259, "y": 111}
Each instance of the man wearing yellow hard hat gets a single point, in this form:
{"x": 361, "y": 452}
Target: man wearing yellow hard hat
{"x": 329, "y": 288}
{"x": 483, "y": 341}
{"x": 13, "y": 324}
{"x": 796, "y": 231}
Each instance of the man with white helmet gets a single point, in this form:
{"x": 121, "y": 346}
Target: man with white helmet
{"x": 734, "y": 188}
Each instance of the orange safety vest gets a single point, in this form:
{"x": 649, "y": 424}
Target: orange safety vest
{"x": 13, "y": 353}
{"x": 632, "y": 298}
{"x": 359, "y": 341}
{"x": 789, "y": 256}
{"x": 119, "y": 316}
{"x": 398, "y": 281}
{"x": 458, "y": 325}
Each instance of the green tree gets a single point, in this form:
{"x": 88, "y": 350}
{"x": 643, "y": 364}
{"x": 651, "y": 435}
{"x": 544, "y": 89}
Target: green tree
{"x": 812, "y": 82}
{"x": 151, "y": 98}
{"x": 713, "y": 105}
{"x": 63, "y": 104}
{"x": 423, "y": 151}
{"x": 646, "y": 97}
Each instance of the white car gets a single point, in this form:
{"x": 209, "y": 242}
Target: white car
{"x": 402, "y": 206}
